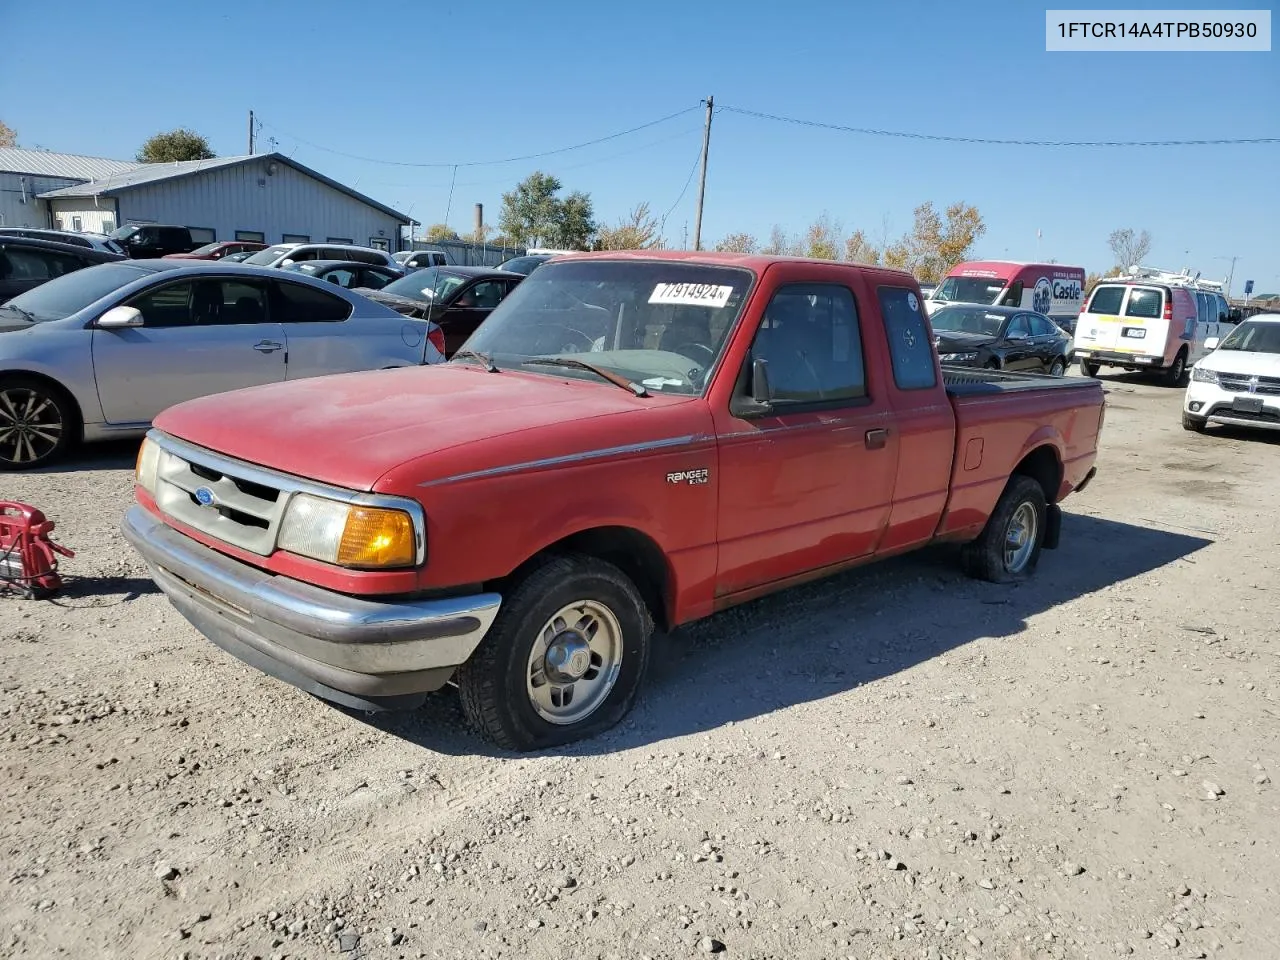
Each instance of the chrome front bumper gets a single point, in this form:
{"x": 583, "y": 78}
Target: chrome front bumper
{"x": 360, "y": 652}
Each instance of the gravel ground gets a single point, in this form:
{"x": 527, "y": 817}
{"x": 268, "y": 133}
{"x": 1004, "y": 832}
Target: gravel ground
{"x": 896, "y": 763}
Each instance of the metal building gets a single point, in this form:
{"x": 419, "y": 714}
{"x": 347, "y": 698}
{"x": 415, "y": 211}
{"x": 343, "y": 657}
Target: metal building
{"x": 25, "y": 174}
{"x": 266, "y": 197}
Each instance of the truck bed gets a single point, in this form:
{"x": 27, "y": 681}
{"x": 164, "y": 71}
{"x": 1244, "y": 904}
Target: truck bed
{"x": 972, "y": 381}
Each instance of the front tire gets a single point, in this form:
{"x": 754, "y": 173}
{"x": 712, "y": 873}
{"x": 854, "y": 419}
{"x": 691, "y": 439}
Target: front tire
{"x": 564, "y": 660}
{"x": 1174, "y": 374}
{"x": 1194, "y": 424}
{"x": 37, "y": 423}
{"x": 1008, "y": 548}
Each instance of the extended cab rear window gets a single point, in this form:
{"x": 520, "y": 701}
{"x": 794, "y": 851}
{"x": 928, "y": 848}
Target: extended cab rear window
{"x": 914, "y": 361}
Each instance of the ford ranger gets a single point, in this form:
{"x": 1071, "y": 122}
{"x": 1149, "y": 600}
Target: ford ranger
{"x": 630, "y": 442}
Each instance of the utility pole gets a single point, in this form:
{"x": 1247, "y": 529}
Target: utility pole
{"x": 1231, "y": 274}
{"x": 702, "y": 180}
{"x": 251, "y": 133}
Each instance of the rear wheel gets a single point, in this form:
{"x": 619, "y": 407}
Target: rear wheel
{"x": 1194, "y": 424}
{"x": 1089, "y": 367}
{"x": 563, "y": 661}
{"x": 1008, "y": 548}
{"x": 1059, "y": 368}
{"x": 992, "y": 364}
{"x": 1174, "y": 373}
{"x": 37, "y": 423}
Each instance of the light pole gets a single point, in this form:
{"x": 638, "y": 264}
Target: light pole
{"x": 1231, "y": 274}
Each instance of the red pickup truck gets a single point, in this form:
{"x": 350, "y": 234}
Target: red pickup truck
{"x": 629, "y": 440}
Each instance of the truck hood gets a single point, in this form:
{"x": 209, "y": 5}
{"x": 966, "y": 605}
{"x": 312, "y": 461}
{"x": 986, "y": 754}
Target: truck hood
{"x": 351, "y": 429}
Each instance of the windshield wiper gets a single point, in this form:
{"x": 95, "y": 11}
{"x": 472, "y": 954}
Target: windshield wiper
{"x": 484, "y": 359}
{"x": 24, "y": 314}
{"x": 613, "y": 378}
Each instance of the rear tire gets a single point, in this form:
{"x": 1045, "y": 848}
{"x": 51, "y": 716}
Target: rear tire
{"x": 1089, "y": 367}
{"x": 1059, "y": 368}
{"x": 1008, "y": 548}
{"x": 38, "y": 423}
{"x": 1194, "y": 424}
{"x": 992, "y": 364}
{"x": 568, "y": 611}
{"x": 1176, "y": 372}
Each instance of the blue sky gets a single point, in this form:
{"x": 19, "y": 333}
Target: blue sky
{"x": 448, "y": 83}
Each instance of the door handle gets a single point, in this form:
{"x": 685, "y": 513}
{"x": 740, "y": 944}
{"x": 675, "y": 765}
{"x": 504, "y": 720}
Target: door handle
{"x": 876, "y": 439}
{"x": 268, "y": 346}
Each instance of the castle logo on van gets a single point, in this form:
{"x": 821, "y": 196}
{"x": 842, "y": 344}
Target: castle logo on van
{"x": 1066, "y": 289}
{"x": 1042, "y": 296}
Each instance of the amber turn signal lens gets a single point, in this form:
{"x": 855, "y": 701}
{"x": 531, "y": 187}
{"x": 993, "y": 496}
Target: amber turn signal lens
{"x": 376, "y": 537}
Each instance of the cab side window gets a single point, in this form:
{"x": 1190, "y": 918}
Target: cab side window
{"x": 915, "y": 364}
{"x": 811, "y": 341}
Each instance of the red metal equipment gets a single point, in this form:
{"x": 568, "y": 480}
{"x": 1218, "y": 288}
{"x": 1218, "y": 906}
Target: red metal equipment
{"x": 28, "y": 561}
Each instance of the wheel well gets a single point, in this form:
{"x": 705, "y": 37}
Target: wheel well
{"x": 1042, "y": 466}
{"x": 56, "y": 387}
{"x": 632, "y": 552}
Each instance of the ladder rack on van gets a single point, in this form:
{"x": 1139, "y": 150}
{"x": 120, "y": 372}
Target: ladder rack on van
{"x": 1181, "y": 279}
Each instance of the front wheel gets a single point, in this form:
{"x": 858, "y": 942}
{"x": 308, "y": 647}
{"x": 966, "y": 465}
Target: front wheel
{"x": 563, "y": 661}
{"x": 1194, "y": 424}
{"x": 1174, "y": 373}
{"x": 1008, "y": 548}
{"x": 36, "y": 423}
{"x": 1089, "y": 367}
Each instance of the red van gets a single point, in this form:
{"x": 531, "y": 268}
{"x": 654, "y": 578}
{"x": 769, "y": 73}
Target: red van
{"x": 1052, "y": 289}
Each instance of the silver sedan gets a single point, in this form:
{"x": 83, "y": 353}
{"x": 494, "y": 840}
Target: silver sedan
{"x": 98, "y": 353}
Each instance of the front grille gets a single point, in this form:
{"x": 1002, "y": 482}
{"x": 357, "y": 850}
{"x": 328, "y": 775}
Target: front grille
{"x": 1241, "y": 382}
{"x": 210, "y": 497}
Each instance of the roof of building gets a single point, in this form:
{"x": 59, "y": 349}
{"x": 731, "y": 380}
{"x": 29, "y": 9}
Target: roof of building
{"x": 149, "y": 173}
{"x": 71, "y": 166}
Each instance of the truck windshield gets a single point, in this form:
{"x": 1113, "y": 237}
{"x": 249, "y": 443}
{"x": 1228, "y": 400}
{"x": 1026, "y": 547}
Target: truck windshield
{"x": 969, "y": 290}
{"x": 661, "y": 324}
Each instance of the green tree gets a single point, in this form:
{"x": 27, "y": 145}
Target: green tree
{"x": 8, "y": 135}
{"x": 738, "y": 243}
{"x": 857, "y": 249}
{"x": 533, "y": 214}
{"x": 638, "y": 230}
{"x": 180, "y": 144}
{"x": 937, "y": 242}
{"x": 822, "y": 241}
{"x": 440, "y": 231}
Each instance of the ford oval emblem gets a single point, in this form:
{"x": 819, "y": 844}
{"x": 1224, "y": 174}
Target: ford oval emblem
{"x": 205, "y": 497}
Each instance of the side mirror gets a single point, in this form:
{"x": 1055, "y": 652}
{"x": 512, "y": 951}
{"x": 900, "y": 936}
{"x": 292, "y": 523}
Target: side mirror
{"x": 119, "y": 317}
{"x": 759, "y": 402}
{"x": 760, "y": 391}
{"x": 1212, "y": 343}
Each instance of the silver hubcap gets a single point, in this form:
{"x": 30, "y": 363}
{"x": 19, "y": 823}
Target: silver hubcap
{"x": 30, "y": 425}
{"x": 574, "y": 662}
{"x": 1056, "y": 370}
{"x": 1020, "y": 538}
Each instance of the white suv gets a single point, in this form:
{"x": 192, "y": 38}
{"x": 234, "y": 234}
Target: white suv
{"x": 1238, "y": 383}
{"x": 283, "y": 254}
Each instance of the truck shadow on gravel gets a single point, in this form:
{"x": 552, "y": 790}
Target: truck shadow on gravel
{"x": 833, "y": 636}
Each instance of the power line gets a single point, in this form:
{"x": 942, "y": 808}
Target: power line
{"x": 997, "y": 142}
{"x": 662, "y": 224}
{"x": 488, "y": 163}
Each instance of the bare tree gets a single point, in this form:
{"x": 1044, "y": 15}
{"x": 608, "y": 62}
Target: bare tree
{"x": 738, "y": 243}
{"x": 638, "y": 230}
{"x": 1130, "y": 249}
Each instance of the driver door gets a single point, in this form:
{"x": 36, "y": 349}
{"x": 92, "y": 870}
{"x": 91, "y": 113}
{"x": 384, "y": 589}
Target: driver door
{"x": 198, "y": 337}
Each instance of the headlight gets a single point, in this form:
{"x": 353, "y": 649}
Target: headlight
{"x": 144, "y": 472}
{"x": 348, "y": 534}
{"x": 1202, "y": 375}
{"x": 958, "y": 357}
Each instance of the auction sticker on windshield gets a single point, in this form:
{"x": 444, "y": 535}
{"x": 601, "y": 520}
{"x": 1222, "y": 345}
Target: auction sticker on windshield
{"x": 691, "y": 294}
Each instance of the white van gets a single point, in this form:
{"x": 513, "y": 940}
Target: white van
{"x": 1150, "y": 320}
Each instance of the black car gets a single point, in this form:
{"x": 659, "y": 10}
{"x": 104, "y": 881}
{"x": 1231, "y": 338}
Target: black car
{"x": 525, "y": 265}
{"x": 26, "y": 262}
{"x": 347, "y": 273}
{"x": 457, "y": 298}
{"x": 143, "y": 241}
{"x": 1000, "y": 338}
